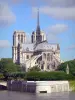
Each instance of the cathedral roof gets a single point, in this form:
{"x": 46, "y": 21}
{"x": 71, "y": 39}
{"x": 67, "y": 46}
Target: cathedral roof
{"x": 28, "y": 47}
{"x": 46, "y": 46}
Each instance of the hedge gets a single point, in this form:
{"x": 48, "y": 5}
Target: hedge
{"x": 42, "y": 76}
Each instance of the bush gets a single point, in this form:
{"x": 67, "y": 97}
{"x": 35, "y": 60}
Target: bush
{"x": 16, "y": 75}
{"x": 1, "y": 76}
{"x": 45, "y": 76}
{"x": 7, "y": 66}
{"x": 35, "y": 68}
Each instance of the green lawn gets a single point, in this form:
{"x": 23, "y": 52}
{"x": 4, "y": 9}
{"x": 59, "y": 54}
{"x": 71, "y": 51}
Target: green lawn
{"x": 72, "y": 85}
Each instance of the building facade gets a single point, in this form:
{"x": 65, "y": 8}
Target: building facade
{"x": 37, "y": 53}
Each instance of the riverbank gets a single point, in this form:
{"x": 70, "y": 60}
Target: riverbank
{"x": 72, "y": 85}
{"x": 38, "y": 86}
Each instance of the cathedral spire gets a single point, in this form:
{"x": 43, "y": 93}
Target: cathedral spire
{"x": 38, "y": 18}
{"x": 38, "y": 25}
{"x": 38, "y": 32}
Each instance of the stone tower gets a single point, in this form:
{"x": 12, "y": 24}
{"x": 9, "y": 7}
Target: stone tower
{"x": 33, "y": 36}
{"x": 18, "y": 39}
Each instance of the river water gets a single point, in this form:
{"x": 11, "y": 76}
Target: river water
{"x": 6, "y": 95}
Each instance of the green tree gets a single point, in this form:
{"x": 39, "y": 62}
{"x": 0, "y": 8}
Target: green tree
{"x": 35, "y": 68}
{"x": 7, "y": 66}
{"x": 1, "y": 76}
{"x": 71, "y": 65}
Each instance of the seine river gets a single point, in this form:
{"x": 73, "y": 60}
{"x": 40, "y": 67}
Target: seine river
{"x": 5, "y": 95}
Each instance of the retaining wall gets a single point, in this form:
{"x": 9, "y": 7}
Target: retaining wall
{"x": 38, "y": 86}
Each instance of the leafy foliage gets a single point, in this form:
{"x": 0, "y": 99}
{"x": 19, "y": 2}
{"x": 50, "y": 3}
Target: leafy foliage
{"x": 1, "y": 76}
{"x": 35, "y": 68}
{"x": 42, "y": 76}
{"x": 72, "y": 85}
{"x": 7, "y": 66}
{"x": 16, "y": 75}
{"x": 71, "y": 64}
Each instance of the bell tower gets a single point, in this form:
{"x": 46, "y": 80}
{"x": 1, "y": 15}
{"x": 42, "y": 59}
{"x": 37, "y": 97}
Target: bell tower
{"x": 18, "y": 38}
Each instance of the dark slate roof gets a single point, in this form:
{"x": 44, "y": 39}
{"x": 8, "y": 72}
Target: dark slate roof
{"x": 46, "y": 46}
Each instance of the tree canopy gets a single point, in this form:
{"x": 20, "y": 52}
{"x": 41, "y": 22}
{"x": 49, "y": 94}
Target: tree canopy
{"x": 71, "y": 65}
{"x": 7, "y": 66}
{"x": 35, "y": 68}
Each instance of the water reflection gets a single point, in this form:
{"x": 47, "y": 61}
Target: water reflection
{"x": 6, "y": 95}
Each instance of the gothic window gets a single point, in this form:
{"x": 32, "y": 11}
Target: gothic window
{"x": 53, "y": 66}
{"x": 48, "y": 57}
{"x": 13, "y": 40}
{"x": 44, "y": 55}
{"x": 21, "y": 38}
{"x": 18, "y": 37}
{"x": 47, "y": 66}
{"x": 27, "y": 57}
{"x": 51, "y": 57}
{"x": 42, "y": 67}
{"x": 32, "y": 38}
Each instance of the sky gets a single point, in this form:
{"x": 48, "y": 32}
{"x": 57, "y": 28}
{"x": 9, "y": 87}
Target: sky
{"x": 57, "y": 20}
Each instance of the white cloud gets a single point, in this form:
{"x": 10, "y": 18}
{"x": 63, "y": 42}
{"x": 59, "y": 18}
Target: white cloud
{"x": 53, "y": 31}
{"x": 57, "y": 28}
{"x": 65, "y": 13}
{"x": 4, "y": 44}
{"x": 60, "y": 3}
{"x": 51, "y": 3}
{"x": 6, "y": 15}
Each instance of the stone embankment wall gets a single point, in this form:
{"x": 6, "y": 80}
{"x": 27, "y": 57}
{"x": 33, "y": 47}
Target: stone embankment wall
{"x": 38, "y": 86}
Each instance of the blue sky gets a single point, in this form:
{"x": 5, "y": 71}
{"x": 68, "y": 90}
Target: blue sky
{"x": 57, "y": 19}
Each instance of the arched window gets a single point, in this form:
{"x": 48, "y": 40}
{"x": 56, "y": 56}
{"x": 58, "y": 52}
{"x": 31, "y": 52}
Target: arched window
{"x": 48, "y": 57}
{"x": 42, "y": 67}
{"x": 21, "y": 38}
{"x": 51, "y": 57}
{"x": 44, "y": 55}
{"x": 27, "y": 57}
{"x": 47, "y": 66}
{"x": 18, "y": 37}
{"x": 13, "y": 40}
{"x": 54, "y": 52}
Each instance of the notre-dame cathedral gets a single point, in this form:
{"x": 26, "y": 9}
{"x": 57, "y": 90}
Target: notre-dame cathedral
{"x": 37, "y": 53}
